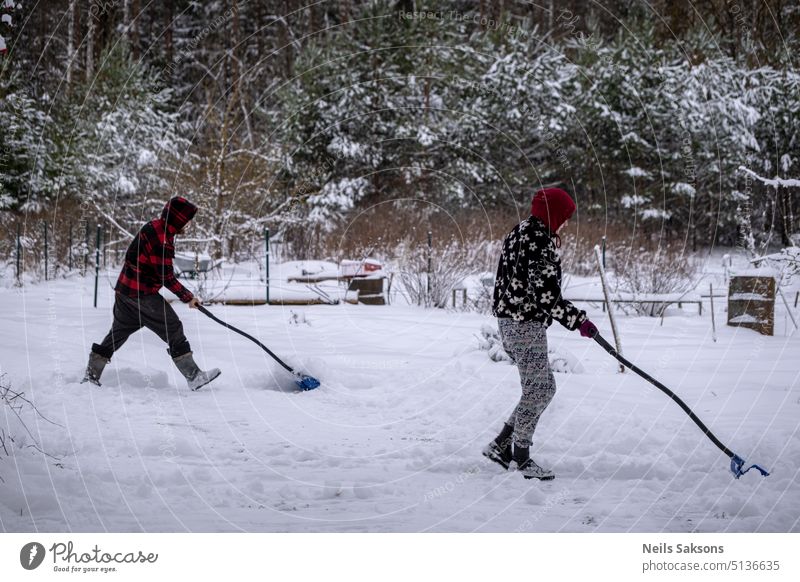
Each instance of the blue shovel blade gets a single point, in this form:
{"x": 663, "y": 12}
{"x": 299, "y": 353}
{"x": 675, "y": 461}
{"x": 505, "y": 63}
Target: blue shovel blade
{"x": 307, "y": 382}
{"x": 737, "y": 467}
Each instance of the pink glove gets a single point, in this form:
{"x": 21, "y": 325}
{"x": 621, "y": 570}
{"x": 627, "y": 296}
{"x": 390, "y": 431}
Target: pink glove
{"x": 588, "y": 329}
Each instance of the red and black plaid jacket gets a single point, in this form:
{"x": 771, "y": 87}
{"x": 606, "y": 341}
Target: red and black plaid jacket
{"x": 148, "y": 261}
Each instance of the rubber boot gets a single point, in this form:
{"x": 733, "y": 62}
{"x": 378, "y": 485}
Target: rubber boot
{"x": 94, "y": 369}
{"x": 195, "y": 377}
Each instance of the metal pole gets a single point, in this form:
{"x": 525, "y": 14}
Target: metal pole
{"x": 604, "y": 251}
{"x": 604, "y": 265}
{"x": 86, "y": 251}
{"x": 430, "y": 263}
{"x": 96, "y": 264}
{"x": 713, "y": 322}
{"x": 69, "y": 249}
{"x": 19, "y": 254}
{"x": 45, "y": 250}
{"x": 266, "y": 259}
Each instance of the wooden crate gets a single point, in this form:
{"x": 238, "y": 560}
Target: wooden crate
{"x": 370, "y": 291}
{"x": 751, "y": 303}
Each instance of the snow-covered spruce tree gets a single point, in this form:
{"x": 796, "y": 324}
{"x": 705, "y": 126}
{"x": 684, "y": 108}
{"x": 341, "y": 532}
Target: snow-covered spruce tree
{"x": 377, "y": 113}
{"x": 717, "y": 114}
{"x": 666, "y": 132}
{"x": 229, "y": 106}
{"x": 28, "y": 176}
{"x": 123, "y": 139}
{"x": 777, "y": 155}
{"x": 517, "y": 113}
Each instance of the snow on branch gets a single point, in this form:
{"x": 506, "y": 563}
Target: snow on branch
{"x": 775, "y": 182}
{"x": 113, "y": 222}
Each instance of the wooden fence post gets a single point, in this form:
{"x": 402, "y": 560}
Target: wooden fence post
{"x": 611, "y": 319}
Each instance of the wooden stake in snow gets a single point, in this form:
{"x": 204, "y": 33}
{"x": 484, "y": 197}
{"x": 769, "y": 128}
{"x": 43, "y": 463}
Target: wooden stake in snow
{"x": 608, "y": 303}
{"x": 788, "y": 309}
{"x": 713, "y": 323}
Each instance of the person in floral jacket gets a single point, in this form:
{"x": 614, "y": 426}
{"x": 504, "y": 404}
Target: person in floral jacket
{"x": 527, "y": 298}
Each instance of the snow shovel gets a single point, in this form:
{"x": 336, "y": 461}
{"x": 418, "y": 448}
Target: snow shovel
{"x": 737, "y": 463}
{"x": 303, "y": 381}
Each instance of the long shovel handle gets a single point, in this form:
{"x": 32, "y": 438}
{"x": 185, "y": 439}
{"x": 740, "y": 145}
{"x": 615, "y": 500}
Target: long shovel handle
{"x": 610, "y": 349}
{"x": 737, "y": 462}
{"x": 248, "y": 336}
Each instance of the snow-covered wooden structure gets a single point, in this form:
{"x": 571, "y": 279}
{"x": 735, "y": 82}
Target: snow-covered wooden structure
{"x": 751, "y": 300}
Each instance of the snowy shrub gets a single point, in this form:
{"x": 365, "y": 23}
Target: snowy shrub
{"x": 482, "y": 257}
{"x": 643, "y": 272}
{"x": 450, "y": 264}
{"x": 490, "y": 341}
{"x": 482, "y": 299}
{"x": 577, "y": 257}
{"x": 428, "y": 276}
{"x": 786, "y": 262}
{"x": 560, "y": 360}
{"x": 578, "y": 239}
{"x": 14, "y": 431}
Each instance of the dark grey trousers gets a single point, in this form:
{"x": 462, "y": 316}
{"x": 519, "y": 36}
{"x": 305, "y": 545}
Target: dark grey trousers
{"x": 151, "y": 311}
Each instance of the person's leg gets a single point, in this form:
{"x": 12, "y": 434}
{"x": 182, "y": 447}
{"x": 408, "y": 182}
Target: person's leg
{"x": 500, "y": 450}
{"x": 164, "y": 322}
{"x": 159, "y": 317}
{"x": 126, "y": 322}
{"x": 527, "y": 341}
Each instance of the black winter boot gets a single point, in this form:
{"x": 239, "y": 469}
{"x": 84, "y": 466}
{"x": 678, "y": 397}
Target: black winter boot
{"x": 94, "y": 369}
{"x": 528, "y": 467}
{"x": 521, "y": 454}
{"x": 499, "y": 450}
{"x": 503, "y": 440}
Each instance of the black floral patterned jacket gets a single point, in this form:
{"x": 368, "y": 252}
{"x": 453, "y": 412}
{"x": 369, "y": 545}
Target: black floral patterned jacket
{"x": 528, "y": 282}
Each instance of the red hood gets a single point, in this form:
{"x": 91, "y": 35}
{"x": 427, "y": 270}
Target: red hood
{"x": 177, "y": 212}
{"x": 553, "y": 206}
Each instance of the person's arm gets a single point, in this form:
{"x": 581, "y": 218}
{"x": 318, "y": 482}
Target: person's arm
{"x": 161, "y": 259}
{"x": 544, "y": 287}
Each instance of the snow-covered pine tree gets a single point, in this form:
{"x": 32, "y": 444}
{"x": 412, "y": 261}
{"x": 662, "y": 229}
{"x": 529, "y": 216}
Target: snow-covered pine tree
{"x": 28, "y": 176}
{"x": 123, "y": 140}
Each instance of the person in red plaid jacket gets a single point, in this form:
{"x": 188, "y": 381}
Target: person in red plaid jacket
{"x": 138, "y": 303}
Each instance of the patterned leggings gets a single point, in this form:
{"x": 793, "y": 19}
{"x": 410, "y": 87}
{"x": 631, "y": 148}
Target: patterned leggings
{"x": 526, "y": 343}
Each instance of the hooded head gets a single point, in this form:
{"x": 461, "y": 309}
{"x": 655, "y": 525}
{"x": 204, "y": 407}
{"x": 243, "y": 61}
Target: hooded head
{"x": 553, "y": 206}
{"x": 178, "y": 212}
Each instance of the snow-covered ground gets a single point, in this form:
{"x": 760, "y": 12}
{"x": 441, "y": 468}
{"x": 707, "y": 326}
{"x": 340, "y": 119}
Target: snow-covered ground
{"x": 392, "y": 439}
